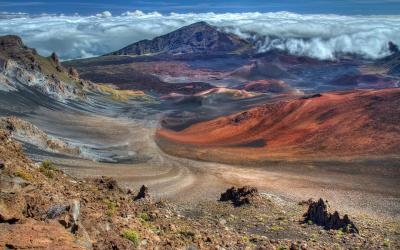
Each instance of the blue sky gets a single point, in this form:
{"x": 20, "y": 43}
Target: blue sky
{"x": 88, "y": 7}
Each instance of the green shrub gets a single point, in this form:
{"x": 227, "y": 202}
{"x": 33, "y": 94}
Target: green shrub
{"x": 386, "y": 243}
{"x": 47, "y": 164}
{"x": 131, "y": 235}
{"x": 111, "y": 207}
{"x": 48, "y": 168}
{"x": 144, "y": 217}
{"x": 23, "y": 174}
{"x": 276, "y": 228}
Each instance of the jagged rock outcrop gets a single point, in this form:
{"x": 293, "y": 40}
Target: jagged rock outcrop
{"x": 199, "y": 37}
{"x": 241, "y": 196}
{"x": 55, "y": 58}
{"x": 20, "y": 65}
{"x": 143, "y": 193}
{"x": 73, "y": 73}
{"x": 318, "y": 214}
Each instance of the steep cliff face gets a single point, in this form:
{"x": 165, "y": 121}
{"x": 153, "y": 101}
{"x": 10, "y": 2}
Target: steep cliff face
{"x": 23, "y": 66}
{"x": 196, "y": 38}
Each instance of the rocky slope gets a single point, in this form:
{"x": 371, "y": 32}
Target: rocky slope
{"x": 337, "y": 124}
{"x": 22, "y": 66}
{"x": 26, "y": 132}
{"x": 196, "y": 38}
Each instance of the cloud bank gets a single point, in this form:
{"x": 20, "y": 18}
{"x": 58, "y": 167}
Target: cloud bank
{"x": 319, "y": 36}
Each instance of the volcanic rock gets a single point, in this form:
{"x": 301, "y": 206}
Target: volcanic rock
{"x": 73, "y": 73}
{"x": 318, "y": 214}
{"x": 12, "y": 206}
{"x": 240, "y": 196}
{"x": 57, "y": 210}
{"x": 143, "y": 193}
{"x": 107, "y": 183}
{"x": 112, "y": 241}
{"x": 55, "y": 58}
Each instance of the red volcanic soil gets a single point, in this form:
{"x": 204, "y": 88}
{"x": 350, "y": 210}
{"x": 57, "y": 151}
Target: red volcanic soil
{"x": 337, "y": 124}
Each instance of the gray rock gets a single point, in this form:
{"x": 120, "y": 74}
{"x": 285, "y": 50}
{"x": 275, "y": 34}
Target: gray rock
{"x": 143, "y": 193}
{"x": 56, "y": 210}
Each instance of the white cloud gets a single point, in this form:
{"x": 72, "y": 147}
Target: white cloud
{"x": 104, "y": 14}
{"x": 320, "y": 36}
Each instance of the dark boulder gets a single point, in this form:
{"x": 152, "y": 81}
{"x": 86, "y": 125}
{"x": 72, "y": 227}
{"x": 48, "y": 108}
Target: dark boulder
{"x": 318, "y": 214}
{"x": 143, "y": 193}
{"x": 240, "y": 196}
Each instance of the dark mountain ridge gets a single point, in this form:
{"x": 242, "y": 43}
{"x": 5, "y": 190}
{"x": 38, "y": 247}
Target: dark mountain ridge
{"x": 197, "y": 38}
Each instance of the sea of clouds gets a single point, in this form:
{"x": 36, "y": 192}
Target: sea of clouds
{"x": 318, "y": 36}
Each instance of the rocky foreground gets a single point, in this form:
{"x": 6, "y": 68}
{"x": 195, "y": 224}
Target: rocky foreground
{"x": 43, "y": 208}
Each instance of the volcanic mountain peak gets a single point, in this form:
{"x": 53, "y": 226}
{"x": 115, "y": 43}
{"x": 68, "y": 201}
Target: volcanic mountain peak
{"x": 199, "y": 37}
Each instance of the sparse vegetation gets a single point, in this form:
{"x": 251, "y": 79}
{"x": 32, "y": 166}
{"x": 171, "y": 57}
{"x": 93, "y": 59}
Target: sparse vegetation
{"x": 48, "y": 68}
{"x": 339, "y": 233}
{"x": 281, "y": 248}
{"x": 276, "y": 228}
{"x": 47, "y": 168}
{"x": 144, "y": 217}
{"x": 131, "y": 235}
{"x": 111, "y": 207}
{"x": 386, "y": 243}
{"x": 23, "y": 174}
{"x": 119, "y": 95}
